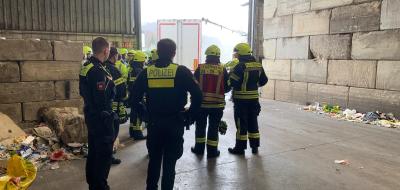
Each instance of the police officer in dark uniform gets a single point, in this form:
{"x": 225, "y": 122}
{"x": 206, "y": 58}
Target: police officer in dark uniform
{"x": 213, "y": 79}
{"x": 166, "y": 85}
{"x": 98, "y": 90}
{"x": 245, "y": 79}
{"x": 120, "y": 86}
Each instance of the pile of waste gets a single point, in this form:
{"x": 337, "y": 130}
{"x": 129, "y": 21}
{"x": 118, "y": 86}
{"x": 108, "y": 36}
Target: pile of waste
{"x": 61, "y": 136}
{"x": 377, "y": 118}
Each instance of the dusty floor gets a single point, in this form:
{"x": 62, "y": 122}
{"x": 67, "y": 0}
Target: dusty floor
{"x": 297, "y": 152}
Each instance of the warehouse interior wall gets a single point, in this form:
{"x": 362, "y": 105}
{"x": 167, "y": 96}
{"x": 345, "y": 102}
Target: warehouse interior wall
{"x": 341, "y": 52}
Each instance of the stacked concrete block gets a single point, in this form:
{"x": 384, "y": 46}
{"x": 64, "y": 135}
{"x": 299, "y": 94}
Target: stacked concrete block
{"x": 38, "y": 73}
{"x": 342, "y": 52}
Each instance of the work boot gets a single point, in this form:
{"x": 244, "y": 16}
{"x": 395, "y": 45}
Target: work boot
{"x": 136, "y": 135}
{"x": 236, "y": 151}
{"x": 213, "y": 154}
{"x": 254, "y": 150}
{"x": 115, "y": 161}
{"x": 197, "y": 150}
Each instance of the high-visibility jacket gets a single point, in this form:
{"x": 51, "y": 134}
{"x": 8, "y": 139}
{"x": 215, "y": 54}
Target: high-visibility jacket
{"x": 213, "y": 82}
{"x": 122, "y": 68}
{"x": 246, "y": 78}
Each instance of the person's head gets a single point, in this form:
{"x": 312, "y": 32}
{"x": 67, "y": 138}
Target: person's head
{"x": 213, "y": 54}
{"x": 113, "y": 55}
{"x": 87, "y": 52}
{"x": 123, "y": 52}
{"x": 242, "y": 49}
{"x": 139, "y": 57}
{"x": 166, "y": 49}
{"x": 154, "y": 55}
{"x": 131, "y": 54}
{"x": 101, "y": 48}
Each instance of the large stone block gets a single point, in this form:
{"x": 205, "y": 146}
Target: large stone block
{"x": 270, "y": 7}
{"x": 292, "y": 48}
{"x": 388, "y": 75}
{"x": 311, "y": 23}
{"x": 277, "y": 69}
{"x": 30, "y": 109}
{"x": 26, "y": 92}
{"x": 25, "y": 50}
{"x": 278, "y": 27}
{"x": 287, "y": 7}
{"x": 376, "y": 45}
{"x": 67, "y": 89}
{"x": 269, "y": 48}
{"x": 314, "y": 71}
{"x": 356, "y": 18}
{"x": 295, "y": 92}
{"x": 12, "y": 110}
{"x": 390, "y": 14}
{"x": 49, "y": 70}
{"x": 328, "y": 94}
{"x": 352, "y": 73}
{"x": 68, "y": 51}
{"x": 331, "y": 46}
{"x": 365, "y": 100}
{"x": 268, "y": 91}
{"x": 326, "y": 4}
{"x": 9, "y": 72}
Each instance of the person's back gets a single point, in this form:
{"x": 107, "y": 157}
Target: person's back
{"x": 166, "y": 85}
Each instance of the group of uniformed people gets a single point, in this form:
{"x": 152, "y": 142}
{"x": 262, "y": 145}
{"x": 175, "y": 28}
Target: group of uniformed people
{"x": 157, "y": 95}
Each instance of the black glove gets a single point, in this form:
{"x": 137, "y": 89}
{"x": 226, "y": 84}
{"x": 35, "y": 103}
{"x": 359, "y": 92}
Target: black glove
{"x": 143, "y": 113}
{"x": 222, "y": 128}
{"x": 187, "y": 119}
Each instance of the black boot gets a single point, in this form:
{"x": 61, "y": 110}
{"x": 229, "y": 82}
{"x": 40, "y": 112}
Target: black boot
{"x": 254, "y": 150}
{"x": 213, "y": 154}
{"x": 138, "y": 135}
{"x": 115, "y": 161}
{"x": 197, "y": 150}
{"x": 236, "y": 151}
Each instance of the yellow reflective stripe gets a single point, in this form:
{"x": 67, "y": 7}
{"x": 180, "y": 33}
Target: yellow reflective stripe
{"x": 213, "y": 95}
{"x": 132, "y": 79}
{"x": 253, "y": 65}
{"x": 200, "y": 140}
{"x": 85, "y": 69}
{"x": 119, "y": 81}
{"x": 245, "y": 79}
{"x": 234, "y": 77}
{"x": 212, "y": 143}
{"x": 246, "y": 92}
{"x": 211, "y": 69}
{"x": 206, "y": 98}
{"x": 254, "y": 135}
{"x": 161, "y": 83}
{"x": 137, "y": 126}
{"x": 213, "y": 105}
{"x": 242, "y": 137}
{"x": 245, "y": 97}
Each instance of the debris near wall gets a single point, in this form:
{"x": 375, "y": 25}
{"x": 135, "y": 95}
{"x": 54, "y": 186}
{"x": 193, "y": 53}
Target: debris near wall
{"x": 377, "y": 118}
{"x": 62, "y": 136}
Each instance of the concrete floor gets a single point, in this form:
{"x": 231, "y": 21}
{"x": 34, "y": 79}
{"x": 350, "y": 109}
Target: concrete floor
{"x": 298, "y": 150}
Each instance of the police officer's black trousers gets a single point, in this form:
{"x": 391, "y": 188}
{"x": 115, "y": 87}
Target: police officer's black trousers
{"x": 165, "y": 147}
{"x": 214, "y": 116}
{"x": 98, "y": 163}
{"x": 245, "y": 114}
{"x": 135, "y": 127}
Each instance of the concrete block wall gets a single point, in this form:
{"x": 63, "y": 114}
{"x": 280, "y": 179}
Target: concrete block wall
{"x": 342, "y": 52}
{"x": 36, "y": 74}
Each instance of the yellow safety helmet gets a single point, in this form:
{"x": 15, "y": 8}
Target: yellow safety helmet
{"x": 139, "y": 56}
{"x": 213, "y": 50}
{"x": 154, "y": 55}
{"x": 131, "y": 52}
{"x": 87, "y": 50}
{"x": 123, "y": 51}
{"x": 242, "y": 49}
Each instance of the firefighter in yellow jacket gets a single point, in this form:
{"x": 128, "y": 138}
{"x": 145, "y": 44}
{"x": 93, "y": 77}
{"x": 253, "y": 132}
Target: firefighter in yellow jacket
{"x": 213, "y": 81}
{"x": 245, "y": 79}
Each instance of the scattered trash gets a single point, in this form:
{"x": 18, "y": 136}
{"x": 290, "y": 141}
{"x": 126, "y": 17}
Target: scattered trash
{"x": 54, "y": 166}
{"x": 387, "y": 120}
{"x": 343, "y": 162}
{"x": 28, "y": 140}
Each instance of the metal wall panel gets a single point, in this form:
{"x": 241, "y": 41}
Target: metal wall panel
{"x": 80, "y": 16}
